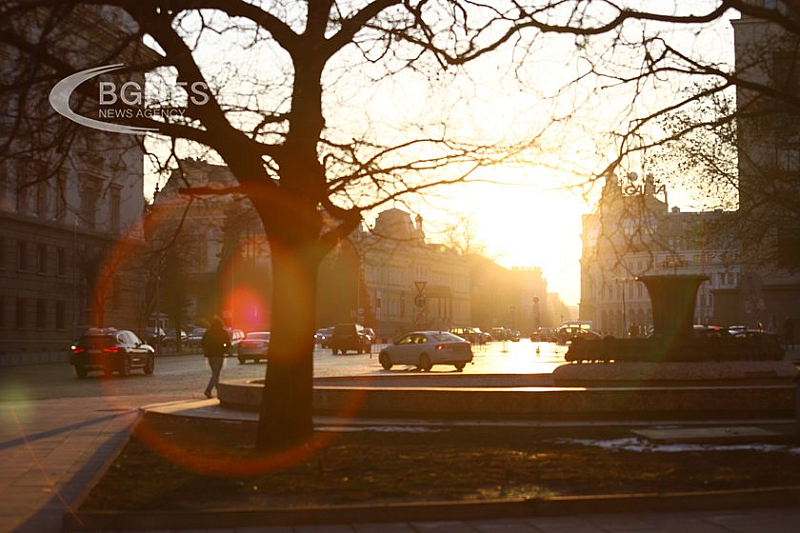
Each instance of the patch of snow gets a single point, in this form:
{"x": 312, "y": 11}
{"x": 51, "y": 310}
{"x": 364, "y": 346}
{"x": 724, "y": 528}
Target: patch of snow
{"x": 380, "y": 429}
{"x": 642, "y": 445}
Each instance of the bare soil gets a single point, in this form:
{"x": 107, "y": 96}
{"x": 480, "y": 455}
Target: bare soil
{"x": 178, "y": 464}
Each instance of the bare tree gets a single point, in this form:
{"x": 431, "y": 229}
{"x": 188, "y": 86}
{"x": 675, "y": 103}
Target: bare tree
{"x": 310, "y": 170}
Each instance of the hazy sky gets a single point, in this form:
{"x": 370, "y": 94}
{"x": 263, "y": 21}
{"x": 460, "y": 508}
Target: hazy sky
{"x": 507, "y": 97}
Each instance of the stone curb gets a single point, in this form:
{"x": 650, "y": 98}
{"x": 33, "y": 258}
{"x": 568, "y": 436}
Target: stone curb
{"x": 427, "y": 511}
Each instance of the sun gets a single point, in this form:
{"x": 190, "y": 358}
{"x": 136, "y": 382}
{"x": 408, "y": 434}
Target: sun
{"x": 523, "y": 224}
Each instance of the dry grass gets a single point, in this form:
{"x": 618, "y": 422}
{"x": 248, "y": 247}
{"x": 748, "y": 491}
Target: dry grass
{"x": 177, "y": 464}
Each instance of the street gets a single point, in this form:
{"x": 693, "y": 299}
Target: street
{"x": 185, "y": 376}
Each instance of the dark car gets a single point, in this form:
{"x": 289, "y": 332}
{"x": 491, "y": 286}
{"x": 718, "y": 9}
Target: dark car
{"x": 111, "y": 350}
{"x": 349, "y": 337}
{"x": 170, "y": 338}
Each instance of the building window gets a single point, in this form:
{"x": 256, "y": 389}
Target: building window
{"x": 60, "y": 199}
{"x": 42, "y": 259}
{"x": 61, "y": 262}
{"x": 22, "y": 255}
{"x": 60, "y": 315}
{"x": 20, "y": 313}
{"x": 90, "y": 193}
{"x": 788, "y": 156}
{"x": 115, "y": 209}
{"x": 22, "y": 195}
{"x": 41, "y": 314}
{"x": 40, "y": 209}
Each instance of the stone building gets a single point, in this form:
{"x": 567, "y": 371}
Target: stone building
{"x": 408, "y": 282}
{"x": 515, "y": 298}
{"x": 71, "y": 200}
{"x": 633, "y": 233}
{"x": 214, "y": 253}
{"x": 768, "y": 146}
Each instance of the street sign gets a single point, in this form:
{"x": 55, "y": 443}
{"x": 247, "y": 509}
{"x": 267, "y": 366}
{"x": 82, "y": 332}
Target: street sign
{"x": 420, "y": 285}
{"x": 419, "y": 300}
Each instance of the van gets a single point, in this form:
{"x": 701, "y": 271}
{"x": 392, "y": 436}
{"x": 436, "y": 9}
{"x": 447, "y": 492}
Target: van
{"x": 349, "y": 337}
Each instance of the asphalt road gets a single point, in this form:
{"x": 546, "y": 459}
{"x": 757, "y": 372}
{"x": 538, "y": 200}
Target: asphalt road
{"x": 185, "y": 376}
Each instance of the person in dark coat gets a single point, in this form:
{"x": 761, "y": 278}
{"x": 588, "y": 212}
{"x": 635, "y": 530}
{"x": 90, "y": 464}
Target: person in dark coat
{"x": 215, "y": 343}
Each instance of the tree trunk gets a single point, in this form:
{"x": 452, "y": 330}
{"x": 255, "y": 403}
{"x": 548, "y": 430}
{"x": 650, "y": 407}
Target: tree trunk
{"x": 285, "y": 420}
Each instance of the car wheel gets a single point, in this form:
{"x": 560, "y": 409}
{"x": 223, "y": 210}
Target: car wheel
{"x": 125, "y": 366}
{"x": 81, "y": 371}
{"x": 460, "y": 366}
{"x": 242, "y": 360}
{"x": 425, "y": 362}
{"x": 385, "y": 361}
{"x": 150, "y": 365}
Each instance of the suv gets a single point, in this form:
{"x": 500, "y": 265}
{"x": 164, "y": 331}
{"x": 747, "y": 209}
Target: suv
{"x": 349, "y": 337}
{"x": 109, "y": 350}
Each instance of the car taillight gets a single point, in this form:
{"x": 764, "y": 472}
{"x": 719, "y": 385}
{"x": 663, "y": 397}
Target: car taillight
{"x": 111, "y": 349}
{"x": 78, "y": 349}
{"x": 443, "y": 347}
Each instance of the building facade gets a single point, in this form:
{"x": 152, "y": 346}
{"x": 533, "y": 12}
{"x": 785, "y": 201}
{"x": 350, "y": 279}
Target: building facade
{"x": 633, "y": 233}
{"x": 768, "y": 145}
{"x": 213, "y": 253}
{"x": 71, "y": 202}
{"x": 411, "y": 283}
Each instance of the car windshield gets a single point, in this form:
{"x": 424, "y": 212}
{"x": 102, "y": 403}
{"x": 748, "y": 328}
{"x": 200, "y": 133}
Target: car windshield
{"x": 96, "y": 341}
{"x": 258, "y": 336}
{"x": 447, "y": 337}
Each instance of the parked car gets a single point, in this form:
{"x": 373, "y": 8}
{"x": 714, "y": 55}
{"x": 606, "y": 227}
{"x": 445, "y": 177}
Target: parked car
{"x": 170, "y": 338}
{"x": 349, "y": 337}
{"x": 236, "y": 337}
{"x": 323, "y": 336}
{"x": 424, "y": 349}
{"x": 702, "y": 330}
{"x": 255, "y": 346}
{"x": 154, "y": 334}
{"x": 195, "y": 337}
{"x": 111, "y": 350}
{"x": 468, "y": 334}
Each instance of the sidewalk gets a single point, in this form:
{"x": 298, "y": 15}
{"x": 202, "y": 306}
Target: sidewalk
{"x": 52, "y": 451}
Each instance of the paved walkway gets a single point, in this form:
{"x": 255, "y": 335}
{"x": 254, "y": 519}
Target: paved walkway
{"x": 52, "y": 451}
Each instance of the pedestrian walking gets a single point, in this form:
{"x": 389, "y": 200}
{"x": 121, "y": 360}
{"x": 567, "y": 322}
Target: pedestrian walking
{"x": 215, "y": 343}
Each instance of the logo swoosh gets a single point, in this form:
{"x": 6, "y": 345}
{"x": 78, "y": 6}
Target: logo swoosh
{"x": 59, "y": 99}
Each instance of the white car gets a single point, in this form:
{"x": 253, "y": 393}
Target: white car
{"x": 255, "y": 346}
{"x": 424, "y": 349}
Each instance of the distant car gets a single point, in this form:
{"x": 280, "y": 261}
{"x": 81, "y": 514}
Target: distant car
{"x": 700, "y": 330}
{"x": 255, "y": 346}
{"x": 236, "y": 337}
{"x": 323, "y": 336}
{"x": 154, "y": 335}
{"x": 195, "y": 337}
{"x": 349, "y": 337}
{"x": 424, "y": 349}
{"x": 473, "y": 335}
{"x": 110, "y": 350}
{"x": 170, "y": 338}
{"x": 499, "y": 334}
